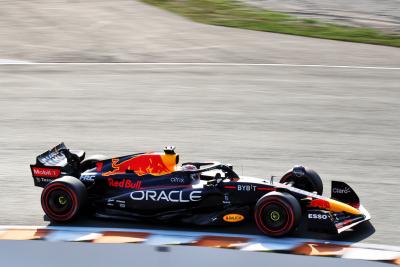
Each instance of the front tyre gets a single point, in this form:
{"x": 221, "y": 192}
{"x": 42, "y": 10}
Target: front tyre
{"x": 63, "y": 198}
{"x": 304, "y": 178}
{"x": 277, "y": 214}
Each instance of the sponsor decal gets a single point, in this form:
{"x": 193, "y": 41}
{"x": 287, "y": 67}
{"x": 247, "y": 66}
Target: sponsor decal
{"x": 124, "y": 183}
{"x": 87, "y": 178}
{"x": 232, "y": 218}
{"x": 246, "y": 188}
{"x": 177, "y": 180}
{"x": 226, "y": 199}
{"x": 110, "y": 202}
{"x": 121, "y": 203}
{"x": 171, "y": 196}
{"x": 345, "y": 190}
{"x": 46, "y": 172}
{"x": 317, "y": 216}
{"x": 43, "y": 180}
{"x": 319, "y": 203}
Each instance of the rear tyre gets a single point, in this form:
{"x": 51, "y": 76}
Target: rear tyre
{"x": 277, "y": 214}
{"x": 304, "y": 178}
{"x": 63, "y": 198}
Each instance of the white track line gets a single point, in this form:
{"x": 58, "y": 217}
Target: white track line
{"x": 216, "y": 64}
{"x": 13, "y": 62}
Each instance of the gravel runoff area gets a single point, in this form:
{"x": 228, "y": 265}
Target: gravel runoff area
{"x": 380, "y": 14}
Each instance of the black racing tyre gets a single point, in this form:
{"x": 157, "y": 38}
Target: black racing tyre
{"x": 277, "y": 214}
{"x": 304, "y": 178}
{"x": 63, "y": 198}
{"x": 90, "y": 162}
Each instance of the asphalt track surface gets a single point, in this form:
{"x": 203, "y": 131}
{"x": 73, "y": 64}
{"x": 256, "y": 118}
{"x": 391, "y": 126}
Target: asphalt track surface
{"x": 262, "y": 119}
{"x": 343, "y": 121}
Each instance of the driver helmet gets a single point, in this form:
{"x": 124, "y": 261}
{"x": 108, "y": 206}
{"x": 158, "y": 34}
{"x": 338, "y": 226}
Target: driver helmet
{"x": 194, "y": 176}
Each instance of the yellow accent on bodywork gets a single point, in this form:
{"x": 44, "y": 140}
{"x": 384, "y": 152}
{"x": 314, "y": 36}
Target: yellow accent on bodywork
{"x": 337, "y": 206}
{"x": 170, "y": 161}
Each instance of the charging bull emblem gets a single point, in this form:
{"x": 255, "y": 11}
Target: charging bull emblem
{"x": 153, "y": 164}
{"x": 319, "y": 203}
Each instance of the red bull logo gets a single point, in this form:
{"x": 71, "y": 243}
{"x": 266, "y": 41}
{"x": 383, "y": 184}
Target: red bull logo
{"x": 153, "y": 164}
{"x": 124, "y": 183}
{"x": 320, "y": 203}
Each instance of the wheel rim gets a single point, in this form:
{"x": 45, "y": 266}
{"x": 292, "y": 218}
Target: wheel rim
{"x": 275, "y": 217}
{"x": 60, "y": 202}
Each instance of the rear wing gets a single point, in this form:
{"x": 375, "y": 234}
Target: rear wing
{"x": 53, "y": 157}
{"x": 44, "y": 175}
{"x": 55, "y": 163}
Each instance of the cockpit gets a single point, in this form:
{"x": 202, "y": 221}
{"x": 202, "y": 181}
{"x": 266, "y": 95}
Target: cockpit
{"x": 210, "y": 171}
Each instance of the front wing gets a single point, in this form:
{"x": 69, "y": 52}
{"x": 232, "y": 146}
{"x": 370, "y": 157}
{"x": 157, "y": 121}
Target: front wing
{"x": 335, "y": 222}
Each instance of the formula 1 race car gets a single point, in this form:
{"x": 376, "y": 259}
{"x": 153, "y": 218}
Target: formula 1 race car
{"x": 152, "y": 186}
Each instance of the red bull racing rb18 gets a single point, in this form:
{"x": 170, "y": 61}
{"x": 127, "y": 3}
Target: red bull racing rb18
{"x": 154, "y": 187}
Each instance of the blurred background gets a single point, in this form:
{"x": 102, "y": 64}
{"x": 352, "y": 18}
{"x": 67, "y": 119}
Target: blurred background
{"x": 217, "y": 79}
{"x": 383, "y": 15}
